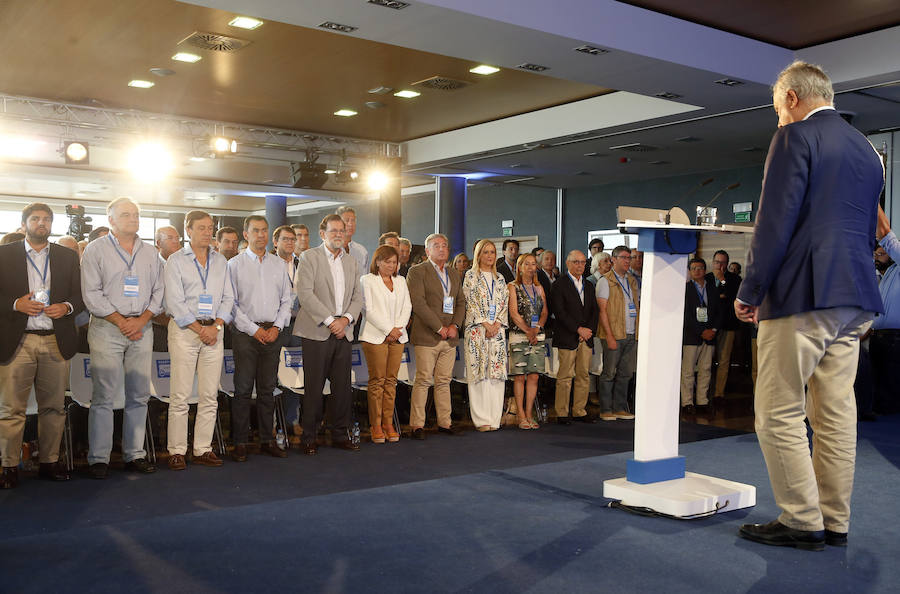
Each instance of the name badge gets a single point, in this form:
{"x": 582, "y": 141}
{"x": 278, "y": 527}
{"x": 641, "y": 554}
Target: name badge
{"x": 205, "y": 305}
{"x": 702, "y": 315}
{"x": 42, "y": 296}
{"x": 632, "y": 310}
{"x": 492, "y": 311}
{"x": 534, "y": 320}
{"x": 448, "y": 305}
{"x": 132, "y": 287}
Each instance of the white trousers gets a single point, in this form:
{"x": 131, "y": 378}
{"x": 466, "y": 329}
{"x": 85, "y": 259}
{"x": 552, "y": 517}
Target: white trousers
{"x": 486, "y": 402}
{"x": 696, "y": 357}
{"x": 188, "y": 357}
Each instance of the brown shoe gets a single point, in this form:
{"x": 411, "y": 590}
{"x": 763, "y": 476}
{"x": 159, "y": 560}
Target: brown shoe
{"x": 53, "y": 471}
{"x": 346, "y": 445}
{"x": 176, "y": 462}
{"x": 239, "y": 453}
{"x": 272, "y": 450}
{"x": 391, "y": 433}
{"x": 310, "y": 449}
{"x": 207, "y": 459}
{"x": 377, "y": 434}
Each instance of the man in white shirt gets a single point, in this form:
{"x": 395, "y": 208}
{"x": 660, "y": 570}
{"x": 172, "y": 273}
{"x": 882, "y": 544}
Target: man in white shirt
{"x": 359, "y": 253}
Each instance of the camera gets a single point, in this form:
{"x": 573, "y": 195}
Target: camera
{"x": 79, "y": 225}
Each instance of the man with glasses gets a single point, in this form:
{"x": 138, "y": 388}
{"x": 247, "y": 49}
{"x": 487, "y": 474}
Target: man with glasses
{"x": 618, "y": 328}
{"x": 724, "y": 286}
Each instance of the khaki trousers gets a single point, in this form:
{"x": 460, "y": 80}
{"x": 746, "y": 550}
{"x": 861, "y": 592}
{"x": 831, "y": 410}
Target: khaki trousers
{"x": 383, "y": 361}
{"x": 573, "y": 363}
{"x": 818, "y": 349}
{"x": 38, "y": 363}
{"x": 724, "y": 345}
{"x": 696, "y": 357}
{"x": 434, "y": 367}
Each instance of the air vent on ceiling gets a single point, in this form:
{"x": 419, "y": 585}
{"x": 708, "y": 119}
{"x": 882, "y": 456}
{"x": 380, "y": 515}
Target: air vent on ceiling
{"x": 162, "y": 71}
{"x": 374, "y": 104}
{"x": 215, "y": 42}
{"x": 533, "y": 67}
{"x": 634, "y": 147}
{"x": 595, "y": 154}
{"x": 519, "y": 166}
{"x": 667, "y": 95}
{"x": 688, "y": 139}
{"x": 751, "y": 149}
{"x": 441, "y": 83}
{"x": 590, "y": 49}
{"x": 660, "y": 162}
{"x": 582, "y": 173}
{"x": 380, "y": 90}
{"x": 729, "y": 82}
{"x": 395, "y": 4}
{"x": 332, "y": 26}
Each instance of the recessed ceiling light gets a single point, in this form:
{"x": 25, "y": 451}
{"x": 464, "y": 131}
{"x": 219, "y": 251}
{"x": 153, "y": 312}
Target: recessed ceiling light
{"x": 407, "y": 94}
{"x": 186, "y": 57}
{"x": 592, "y": 50}
{"x": 331, "y": 25}
{"x": 141, "y": 84}
{"x": 395, "y": 4}
{"x": 243, "y": 22}
{"x": 729, "y": 82}
{"x": 484, "y": 69}
{"x": 330, "y": 171}
{"x": 346, "y": 113}
{"x": 533, "y": 67}
{"x": 162, "y": 71}
{"x": 667, "y": 95}
{"x": 380, "y": 90}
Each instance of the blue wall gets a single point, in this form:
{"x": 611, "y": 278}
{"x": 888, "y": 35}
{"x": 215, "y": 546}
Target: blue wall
{"x": 533, "y": 211}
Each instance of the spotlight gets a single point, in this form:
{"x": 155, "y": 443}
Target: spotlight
{"x": 222, "y": 146}
{"x": 76, "y": 153}
{"x": 377, "y": 181}
{"x": 150, "y": 162}
{"x": 345, "y": 176}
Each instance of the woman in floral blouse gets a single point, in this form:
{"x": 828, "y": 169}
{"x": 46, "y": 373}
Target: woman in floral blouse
{"x": 527, "y": 353}
{"x": 485, "y": 338}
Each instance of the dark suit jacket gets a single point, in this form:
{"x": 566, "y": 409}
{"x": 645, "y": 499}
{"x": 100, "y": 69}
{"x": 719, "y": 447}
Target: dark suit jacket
{"x": 65, "y": 285}
{"x": 570, "y": 313}
{"x": 727, "y": 293}
{"x": 814, "y": 234}
{"x": 715, "y": 310}
{"x": 509, "y": 275}
{"x": 546, "y": 283}
{"x": 427, "y": 296}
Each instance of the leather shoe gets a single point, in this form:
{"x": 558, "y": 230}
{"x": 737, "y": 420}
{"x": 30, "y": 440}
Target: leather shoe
{"x": 346, "y": 445}
{"x": 418, "y": 434}
{"x": 99, "y": 470}
{"x": 176, "y": 462}
{"x": 586, "y": 419}
{"x": 207, "y": 459}
{"x": 777, "y": 534}
{"x": 310, "y": 449}
{"x": 10, "y": 477}
{"x": 835, "y": 539}
{"x": 563, "y": 421}
{"x": 53, "y": 471}
{"x": 451, "y": 430}
{"x": 272, "y": 450}
{"x": 688, "y": 409}
{"x": 239, "y": 453}
{"x": 140, "y": 465}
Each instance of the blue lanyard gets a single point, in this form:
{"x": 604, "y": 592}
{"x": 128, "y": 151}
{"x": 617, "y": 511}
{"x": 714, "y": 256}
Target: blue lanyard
{"x": 446, "y": 284}
{"x": 700, "y": 293}
{"x": 530, "y": 298}
{"x": 580, "y": 290}
{"x": 43, "y": 274}
{"x": 119, "y": 252}
{"x": 624, "y": 290}
{"x": 491, "y": 294}
{"x": 200, "y": 272}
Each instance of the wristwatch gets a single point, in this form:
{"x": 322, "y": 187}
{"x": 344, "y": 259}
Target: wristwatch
{"x": 219, "y": 326}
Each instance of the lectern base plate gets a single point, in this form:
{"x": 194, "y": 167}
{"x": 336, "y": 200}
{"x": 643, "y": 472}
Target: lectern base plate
{"x": 688, "y": 496}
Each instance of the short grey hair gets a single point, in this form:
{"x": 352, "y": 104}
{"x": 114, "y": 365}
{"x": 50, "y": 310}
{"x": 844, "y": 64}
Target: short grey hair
{"x": 406, "y": 242}
{"x": 433, "y": 236}
{"x": 119, "y": 202}
{"x": 809, "y": 81}
{"x": 342, "y": 209}
{"x": 596, "y": 259}
{"x": 165, "y": 229}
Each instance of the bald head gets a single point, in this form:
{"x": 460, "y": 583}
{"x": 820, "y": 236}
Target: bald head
{"x": 575, "y": 262}
{"x": 69, "y": 242}
{"x": 167, "y": 241}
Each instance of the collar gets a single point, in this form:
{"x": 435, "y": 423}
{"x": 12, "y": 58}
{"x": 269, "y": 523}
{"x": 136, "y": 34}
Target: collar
{"x": 580, "y": 279}
{"x": 817, "y": 110}
{"x": 29, "y": 249}
{"x": 249, "y": 253}
{"x": 436, "y": 266}
{"x": 331, "y": 257}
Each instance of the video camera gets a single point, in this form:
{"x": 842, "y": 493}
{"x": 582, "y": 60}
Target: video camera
{"x": 79, "y": 225}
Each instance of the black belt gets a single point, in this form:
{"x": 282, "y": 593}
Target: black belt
{"x": 206, "y": 322}
{"x": 887, "y": 332}
{"x": 41, "y": 332}
{"x": 265, "y": 325}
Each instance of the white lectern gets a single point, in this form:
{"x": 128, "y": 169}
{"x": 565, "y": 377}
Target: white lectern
{"x": 655, "y": 477}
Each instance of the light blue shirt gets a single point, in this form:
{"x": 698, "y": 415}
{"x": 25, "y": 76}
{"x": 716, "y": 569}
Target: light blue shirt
{"x": 103, "y": 270}
{"x": 185, "y": 284}
{"x": 889, "y": 287}
{"x": 262, "y": 291}
{"x": 35, "y": 282}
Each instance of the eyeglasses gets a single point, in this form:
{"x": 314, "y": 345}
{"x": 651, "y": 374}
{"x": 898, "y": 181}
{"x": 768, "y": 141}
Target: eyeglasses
{"x": 578, "y": 261}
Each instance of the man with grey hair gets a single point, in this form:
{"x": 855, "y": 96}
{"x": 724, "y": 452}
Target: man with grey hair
{"x": 405, "y": 251}
{"x": 122, "y": 285}
{"x": 69, "y": 242}
{"x": 819, "y": 201}
{"x": 359, "y": 253}
{"x": 167, "y": 241}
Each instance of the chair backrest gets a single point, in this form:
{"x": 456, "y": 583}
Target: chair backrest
{"x": 459, "y": 366}
{"x": 160, "y": 379}
{"x": 80, "y": 382}
{"x": 407, "y": 371}
{"x": 290, "y": 368}
{"x": 226, "y": 384}
{"x": 359, "y": 370}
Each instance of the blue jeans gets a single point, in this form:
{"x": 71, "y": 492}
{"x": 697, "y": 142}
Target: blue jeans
{"x": 618, "y": 367}
{"x": 291, "y": 398}
{"x": 118, "y": 364}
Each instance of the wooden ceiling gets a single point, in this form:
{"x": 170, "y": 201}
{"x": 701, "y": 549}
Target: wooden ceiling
{"x": 793, "y": 24}
{"x": 288, "y": 77}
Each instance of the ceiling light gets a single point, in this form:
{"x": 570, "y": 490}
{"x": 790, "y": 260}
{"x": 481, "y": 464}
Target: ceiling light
{"x": 667, "y": 95}
{"x": 244, "y": 22}
{"x": 331, "y": 171}
{"x": 395, "y": 4}
{"x": 590, "y": 49}
{"x": 533, "y": 67}
{"x": 484, "y": 69}
{"x": 332, "y": 26}
{"x": 729, "y": 82}
{"x": 407, "y": 94}
{"x": 377, "y": 181}
{"x": 76, "y": 153}
{"x": 223, "y": 146}
{"x": 150, "y": 162}
{"x": 345, "y": 176}
{"x": 380, "y": 90}
{"x": 186, "y": 57}
{"x": 141, "y": 84}
{"x": 162, "y": 71}
{"x": 345, "y": 113}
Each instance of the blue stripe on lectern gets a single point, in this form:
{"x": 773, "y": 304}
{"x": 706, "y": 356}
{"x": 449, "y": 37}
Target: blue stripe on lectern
{"x": 673, "y": 241}
{"x": 654, "y": 471}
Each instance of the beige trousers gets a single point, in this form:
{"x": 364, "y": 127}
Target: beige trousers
{"x": 37, "y": 363}
{"x": 573, "y": 363}
{"x": 383, "y": 361}
{"x": 818, "y": 349}
{"x": 434, "y": 367}
{"x": 724, "y": 345}
{"x": 696, "y": 357}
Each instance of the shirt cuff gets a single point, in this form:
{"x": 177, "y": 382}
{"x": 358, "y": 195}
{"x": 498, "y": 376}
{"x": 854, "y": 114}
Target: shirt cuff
{"x": 14, "y": 303}
{"x": 69, "y": 305}
{"x": 348, "y": 316}
{"x": 742, "y": 302}
{"x": 328, "y": 321}
{"x": 185, "y": 320}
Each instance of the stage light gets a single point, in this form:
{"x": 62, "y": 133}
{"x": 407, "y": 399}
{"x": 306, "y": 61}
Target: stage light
{"x": 150, "y": 162}
{"x": 244, "y": 22}
{"x": 330, "y": 171}
{"x": 76, "y": 153}
{"x": 377, "y": 181}
{"x": 346, "y": 176}
{"x": 223, "y": 146}
{"x": 484, "y": 70}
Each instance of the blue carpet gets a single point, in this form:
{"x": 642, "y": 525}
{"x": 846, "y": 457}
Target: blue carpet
{"x": 539, "y": 528}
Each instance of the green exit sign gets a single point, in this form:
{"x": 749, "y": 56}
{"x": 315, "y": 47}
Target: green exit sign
{"x": 742, "y": 217}
{"x": 507, "y": 232}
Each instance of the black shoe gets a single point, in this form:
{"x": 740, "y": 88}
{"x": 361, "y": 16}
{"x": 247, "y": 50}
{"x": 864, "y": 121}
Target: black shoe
{"x": 99, "y": 470}
{"x": 688, "y": 409}
{"x": 777, "y": 534}
{"x": 451, "y": 430}
{"x": 563, "y": 421}
{"x": 585, "y": 419}
{"x": 140, "y": 465}
{"x": 239, "y": 453}
{"x": 10, "y": 477}
{"x": 867, "y": 417}
{"x": 53, "y": 471}
{"x": 310, "y": 449}
{"x": 835, "y": 539}
{"x": 418, "y": 434}
{"x": 346, "y": 445}
{"x": 272, "y": 450}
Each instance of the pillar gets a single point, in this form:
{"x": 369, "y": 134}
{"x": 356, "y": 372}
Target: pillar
{"x": 450, "y": 212}
{"x": 389, "y": 200}
{"x": 276, "y": 214}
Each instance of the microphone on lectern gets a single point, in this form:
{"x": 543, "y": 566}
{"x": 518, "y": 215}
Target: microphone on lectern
{"x": 688, "y": 194}
{"x": 722, "y": 191}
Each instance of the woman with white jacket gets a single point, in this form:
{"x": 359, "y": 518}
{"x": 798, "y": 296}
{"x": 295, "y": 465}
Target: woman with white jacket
{"x": 382, "y": 337}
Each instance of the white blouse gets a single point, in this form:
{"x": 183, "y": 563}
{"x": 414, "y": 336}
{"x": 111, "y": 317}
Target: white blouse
{"x": 385, "y": 309}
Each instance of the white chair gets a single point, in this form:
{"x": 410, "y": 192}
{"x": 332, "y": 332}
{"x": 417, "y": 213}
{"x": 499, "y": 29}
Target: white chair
{"x": 359, "y": 370}
{"x": 459, "y": 366}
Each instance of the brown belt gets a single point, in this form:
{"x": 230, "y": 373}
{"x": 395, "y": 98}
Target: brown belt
{"x": 40, "y": 332}
{"x": 206, "y": 322}
{"x": 265, "y": 325}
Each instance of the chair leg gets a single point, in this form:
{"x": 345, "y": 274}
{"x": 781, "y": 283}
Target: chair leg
{"x": 67, "y": 441}
{"x": 396, "y": 421}
{"x": 217, "y": 437}
{"x": 280, "y": 419}
{"x": 149, "y": 444}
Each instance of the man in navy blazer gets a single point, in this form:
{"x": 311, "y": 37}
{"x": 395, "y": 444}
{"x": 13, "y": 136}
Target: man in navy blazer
{"x": 809, "y": 283}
